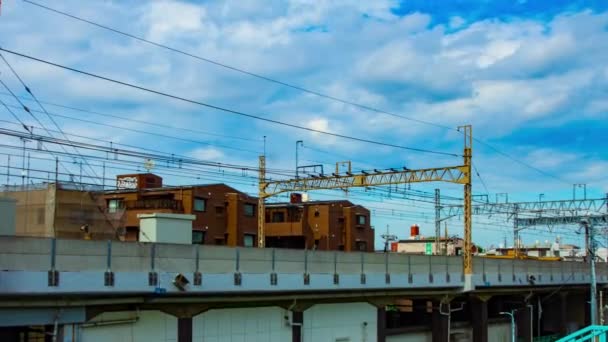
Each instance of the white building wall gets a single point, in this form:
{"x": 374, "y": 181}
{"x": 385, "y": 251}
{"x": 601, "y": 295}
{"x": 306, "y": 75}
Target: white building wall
{"x": 422, "y": 336}
{"x": 345, "y": 322}
{"x": 152, "y": 326}
{"x": 499, "y": 332}
{"x": 263, "y": 324}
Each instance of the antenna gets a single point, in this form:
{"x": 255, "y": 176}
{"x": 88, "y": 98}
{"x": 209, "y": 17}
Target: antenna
{"x": 149, "y": 164}
{"x": 387, "y": 238}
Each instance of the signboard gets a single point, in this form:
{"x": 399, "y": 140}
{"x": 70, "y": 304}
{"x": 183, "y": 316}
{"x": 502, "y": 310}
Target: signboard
{"x": 428, "y": 248}
{"x": 126, "y": 183}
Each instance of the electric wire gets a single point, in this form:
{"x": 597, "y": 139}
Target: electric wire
{"x": 226, "y": 110}
{"x": 27, "y": 110}
{"x": 282, "y": 83}
{"x": 141, "y": 122}
{"x": 29, "y": 91}
{"x": 134, "y": 130}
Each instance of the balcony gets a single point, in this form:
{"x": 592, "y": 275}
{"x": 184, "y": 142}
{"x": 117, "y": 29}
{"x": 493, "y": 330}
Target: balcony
{"x": 153, "y": 204}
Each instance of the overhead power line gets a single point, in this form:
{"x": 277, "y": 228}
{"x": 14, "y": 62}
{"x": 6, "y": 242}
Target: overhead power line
{"x": 239, "y": 70}
{"x": 134, "y": 130}
{"x": 143, "y": 122}
{"x": 283, "y": 83}
{"x": 223, "y": 109}
{"x": 29, "y": 91}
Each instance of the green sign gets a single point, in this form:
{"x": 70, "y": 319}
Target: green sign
{"x": 428, "y": 248}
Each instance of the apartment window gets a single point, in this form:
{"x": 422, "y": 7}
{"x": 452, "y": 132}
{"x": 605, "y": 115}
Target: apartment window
{"x": 249, "y": 209}
{"x": 114, "y": 205}
{"x": 361, "y": 246}
{"x": 278, "y": 216}
{"x": 200, "y": 204}
{"x": 248, "y": 240}
{"x": 40, "y": 215}
{"x": 361, "y": 219}
{"x": 198, "y": 237}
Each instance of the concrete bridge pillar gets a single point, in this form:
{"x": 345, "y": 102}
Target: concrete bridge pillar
{"x": 523, "y": 317}
{"x": 479, "y": 318}
{"x": 440, "y": 322}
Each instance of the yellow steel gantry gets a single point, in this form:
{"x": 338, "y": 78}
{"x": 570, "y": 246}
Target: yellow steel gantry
{"x": 453, "y": 174}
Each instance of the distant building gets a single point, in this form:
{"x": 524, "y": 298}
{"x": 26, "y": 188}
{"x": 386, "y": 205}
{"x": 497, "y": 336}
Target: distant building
{"x": 62, "y": 210}
{"x": 426, "y": 245}
{"x": 224, "y": 215}
{"x": 323, "y": 225}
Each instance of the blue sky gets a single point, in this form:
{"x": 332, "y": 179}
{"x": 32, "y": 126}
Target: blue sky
{"x": 530, "y": 76}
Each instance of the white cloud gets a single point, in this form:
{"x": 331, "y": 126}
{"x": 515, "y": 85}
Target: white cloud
{"x": 208, "y": 153}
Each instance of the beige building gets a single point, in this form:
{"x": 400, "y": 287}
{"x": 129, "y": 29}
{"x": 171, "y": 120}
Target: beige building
{"x": 453, "y": 246}
{"x": 52, "y": 210}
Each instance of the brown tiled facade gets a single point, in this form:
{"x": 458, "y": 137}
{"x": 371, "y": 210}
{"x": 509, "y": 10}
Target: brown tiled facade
{"x": 223, "y": 215}
{"x": 324, "y": 225}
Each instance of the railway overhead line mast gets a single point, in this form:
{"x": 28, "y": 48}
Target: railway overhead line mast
{"x": 460, "y": 174}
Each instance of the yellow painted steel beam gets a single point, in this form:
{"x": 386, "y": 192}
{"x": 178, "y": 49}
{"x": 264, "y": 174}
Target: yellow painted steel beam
{"x": 452, "y": 174}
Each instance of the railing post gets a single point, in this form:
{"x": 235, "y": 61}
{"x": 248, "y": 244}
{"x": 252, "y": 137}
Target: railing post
{"x": 387, "y": 275}
{"x": 238, "y": 279}
{"x": 430, "y": 269}
{"x": 483, "y": 270}
{"x": 362, "y": 268}
{"x": 152, "y": 275}
{"x": 499, "y": 270}
{"x": 198, "y": 277}
{"x": 447, "y": 268}
{"x": 306, "y": 275}
{"x": 410, "y": 277}
{"x": 53, "y": 274}
{"x": 108, "y": 276}
{"x": 513, "y": 269}
{"x": 336, "y": 275}
{"x": 273, "y": 275}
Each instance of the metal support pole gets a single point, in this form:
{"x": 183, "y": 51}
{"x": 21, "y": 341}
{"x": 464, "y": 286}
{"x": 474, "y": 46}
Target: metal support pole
{"x": 468, "y": 252}
{"x": 512, "y": 315}
{"x": 593, "y": 306}
{"x": 298, "y": 143}
{"x": 437, "y": 221}
{"x": 261, "y": 204}
{"x": 515, "y": 232}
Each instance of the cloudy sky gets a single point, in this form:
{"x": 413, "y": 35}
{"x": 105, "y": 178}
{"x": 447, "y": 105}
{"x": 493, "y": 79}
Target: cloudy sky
{"x": 530, "y": 76}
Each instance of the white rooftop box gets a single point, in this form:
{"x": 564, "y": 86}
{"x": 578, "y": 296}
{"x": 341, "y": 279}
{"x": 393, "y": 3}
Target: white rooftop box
{"x": 165, "y": 228}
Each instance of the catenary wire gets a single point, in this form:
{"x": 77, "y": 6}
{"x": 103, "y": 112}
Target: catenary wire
{"x": 283, "y": 83}
{"x": 226, "y": 110}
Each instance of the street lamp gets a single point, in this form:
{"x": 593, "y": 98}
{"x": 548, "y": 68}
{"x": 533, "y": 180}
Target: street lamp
{"x": 512, "y": 314}
{"x": 298, "y": 143}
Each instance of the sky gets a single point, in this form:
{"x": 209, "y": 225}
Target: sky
{"x": 529, "y": 76}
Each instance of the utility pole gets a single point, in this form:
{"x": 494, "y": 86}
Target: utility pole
{"x": 23, "y": 164}
{"x": 590, "y": 238}
{"x": 103, "y": 175}
{"x": 261, "y": 204}
{"x": 515, "y": 232}
{"x": 56, "y": 172}
{"x": 437, "y": 221}
{"x": 8, "y": 172}
{"x": 298, "y": 143}
{"x": 580, "y": 185}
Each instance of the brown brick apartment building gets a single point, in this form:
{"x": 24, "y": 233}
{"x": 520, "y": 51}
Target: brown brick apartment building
{"x": 324, "y": 225}
{"x": 224, "y": 215}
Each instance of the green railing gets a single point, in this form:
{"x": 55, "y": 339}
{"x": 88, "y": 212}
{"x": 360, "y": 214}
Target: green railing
{"x": 590, "y": 333}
